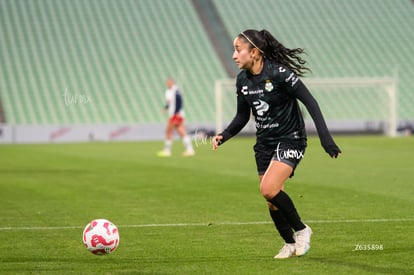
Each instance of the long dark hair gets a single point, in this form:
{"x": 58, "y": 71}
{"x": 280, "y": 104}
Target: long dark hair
{"x": 271, "y": 48}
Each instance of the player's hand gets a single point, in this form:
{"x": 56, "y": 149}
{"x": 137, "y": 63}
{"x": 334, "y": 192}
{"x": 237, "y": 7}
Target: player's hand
{"x": 216, "y": 141}
{"x": 333, "y": 150}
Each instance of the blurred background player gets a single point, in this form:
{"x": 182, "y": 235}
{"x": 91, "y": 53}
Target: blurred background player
{"x": 174, "y": 107}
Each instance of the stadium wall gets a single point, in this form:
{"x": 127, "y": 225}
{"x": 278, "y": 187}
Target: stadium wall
{"x": 90, "y": 132}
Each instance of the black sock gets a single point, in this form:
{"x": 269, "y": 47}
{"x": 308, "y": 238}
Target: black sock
{"x": 282, "y": 225}
{"x": 283, "y": 202}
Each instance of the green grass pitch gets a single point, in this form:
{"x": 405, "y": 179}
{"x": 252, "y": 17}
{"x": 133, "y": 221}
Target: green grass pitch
{"x": 204, "y": 214}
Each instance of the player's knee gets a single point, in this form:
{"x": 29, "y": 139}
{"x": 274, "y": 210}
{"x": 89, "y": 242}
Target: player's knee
{"x": 268, "y": 192}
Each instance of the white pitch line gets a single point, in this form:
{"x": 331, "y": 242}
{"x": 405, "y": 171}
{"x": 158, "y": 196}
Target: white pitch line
{"x": 361, "y": 221}
{"x": 204, "y": 224}
{"x": 38, "y": 227}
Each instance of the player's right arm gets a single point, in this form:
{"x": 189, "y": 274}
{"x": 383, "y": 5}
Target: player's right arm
{"x": 236, "y": 125}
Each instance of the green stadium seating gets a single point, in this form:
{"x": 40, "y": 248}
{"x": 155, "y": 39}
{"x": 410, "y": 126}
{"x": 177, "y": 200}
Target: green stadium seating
{"x": 116, "y": 53}
{"x": 370, "y": 38}
{"x": 85, "y": 61}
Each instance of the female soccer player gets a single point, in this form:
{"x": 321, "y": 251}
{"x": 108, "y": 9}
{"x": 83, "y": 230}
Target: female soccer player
{"x": 269, "y": 86}
{"x": 174, "y": 107}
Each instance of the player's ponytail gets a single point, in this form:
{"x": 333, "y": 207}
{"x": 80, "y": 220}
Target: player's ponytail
{"x": 289, "y": 57}
{"x": 271, "y": 48}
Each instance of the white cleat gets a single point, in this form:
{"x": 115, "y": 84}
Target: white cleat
{"x": 287, "y": 251}
{"x": 188, "y": 153}
{"x": 302, "y": 239}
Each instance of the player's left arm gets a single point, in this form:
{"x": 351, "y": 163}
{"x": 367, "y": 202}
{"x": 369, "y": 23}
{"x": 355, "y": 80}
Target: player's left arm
{"x": 302, "y": 93}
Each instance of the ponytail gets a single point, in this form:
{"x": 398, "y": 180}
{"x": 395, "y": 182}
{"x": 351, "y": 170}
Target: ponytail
{"x": 271, "y": 48}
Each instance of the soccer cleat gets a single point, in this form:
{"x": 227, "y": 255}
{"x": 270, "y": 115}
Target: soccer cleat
{"x": 164, "y": 153}
{"x": 302, "y": 239}
{"x": 287, "y": 251}
{"x": 188, "y": 153}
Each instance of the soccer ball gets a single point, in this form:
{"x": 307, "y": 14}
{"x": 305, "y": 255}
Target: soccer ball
{"x": 101, "y": 237}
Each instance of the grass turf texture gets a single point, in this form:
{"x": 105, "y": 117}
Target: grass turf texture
{"x": 204, "y": 214}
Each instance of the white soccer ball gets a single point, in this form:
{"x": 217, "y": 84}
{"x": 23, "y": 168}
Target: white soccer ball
{"x": 101, "y": 237}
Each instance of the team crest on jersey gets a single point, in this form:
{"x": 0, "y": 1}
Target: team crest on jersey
{"x": 268, "y": 86}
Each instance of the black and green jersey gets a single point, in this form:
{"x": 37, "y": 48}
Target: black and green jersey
{"x": 270, "y": 96}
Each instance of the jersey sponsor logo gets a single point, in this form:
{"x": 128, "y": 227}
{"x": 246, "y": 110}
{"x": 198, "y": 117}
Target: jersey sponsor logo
{"x": 255, "y": 92}
{"x": 292, "y": 78}
{"x": 288, "y": 153}
{"x": 245, "y": 91}
{"x": 266, "y": 126}
{"x": 261, "y": 107}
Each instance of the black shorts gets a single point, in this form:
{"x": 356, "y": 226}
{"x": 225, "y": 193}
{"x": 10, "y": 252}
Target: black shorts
{"x": 289, "y": 153}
